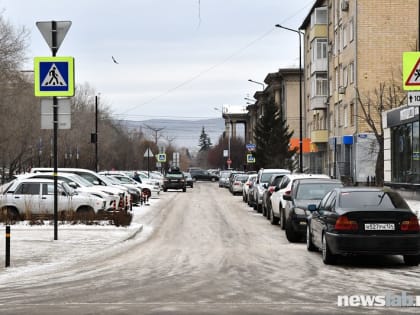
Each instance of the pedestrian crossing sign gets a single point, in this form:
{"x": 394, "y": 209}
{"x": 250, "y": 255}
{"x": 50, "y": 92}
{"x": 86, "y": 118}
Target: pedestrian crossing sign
{"x": 411, "y": 71}
{"x": 54, "y": 76}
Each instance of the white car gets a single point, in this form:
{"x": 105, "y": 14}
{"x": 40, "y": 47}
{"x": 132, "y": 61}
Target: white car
{"x": 36, "y": 196}
{"x": 284, "y": 187}
{"x": 95, "y": 179}
{"x": 245, "y": 187}
{"x": 82, "y": 185}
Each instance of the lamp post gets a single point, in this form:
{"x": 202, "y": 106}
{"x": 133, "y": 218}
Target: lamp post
{"x": 229, "y": 160}
{"x": 256, "y": 82}
{"x": 300, "y": 95}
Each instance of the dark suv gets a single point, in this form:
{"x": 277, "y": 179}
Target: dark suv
{"x": 198, "y": 174}
{"x": 174, "y": 179}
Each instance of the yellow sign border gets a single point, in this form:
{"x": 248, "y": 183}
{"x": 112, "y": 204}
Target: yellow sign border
{"x": 37, "y": 79}
{"x": 410, "y": 59}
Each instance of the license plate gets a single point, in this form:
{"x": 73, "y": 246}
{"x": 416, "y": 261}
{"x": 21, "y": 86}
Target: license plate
{"x": 379, "y": 226}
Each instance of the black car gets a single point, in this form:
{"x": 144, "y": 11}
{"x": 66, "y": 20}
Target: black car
{"x": 174, "y": 179}
{"x": 199, "y": 174}
{"x": 373, "y": 221}
{"x": 304, "y": 191}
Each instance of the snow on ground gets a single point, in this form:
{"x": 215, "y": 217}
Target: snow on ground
{"x": 33, "y": 247}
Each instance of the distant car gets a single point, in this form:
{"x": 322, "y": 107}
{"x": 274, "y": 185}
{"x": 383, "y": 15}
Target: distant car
{"x": 263, "y": 177}
{"x": 224, "y": 178}
{"x": 246, "y": 186}
{"x": 198, "y": 174}
{"x": 363, "y": 220}
{"x": 237, "y": 183}
{"x": 188, "y": 179}
{"x": 270, "y": 186}
{"x": 174, "y": 179}
{"x": 303, "y": 192}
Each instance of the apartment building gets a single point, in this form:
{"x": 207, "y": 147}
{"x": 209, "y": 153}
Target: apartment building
{"x": 353, "y": 55}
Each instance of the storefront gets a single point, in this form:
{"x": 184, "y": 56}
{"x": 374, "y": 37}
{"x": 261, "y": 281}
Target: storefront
{"x": 402, "y": 149}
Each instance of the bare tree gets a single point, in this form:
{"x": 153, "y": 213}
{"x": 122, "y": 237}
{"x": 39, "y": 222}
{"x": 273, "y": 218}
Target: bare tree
{"x": 386, "y": 96}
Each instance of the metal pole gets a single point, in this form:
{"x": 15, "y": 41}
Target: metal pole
{"x": 96, "y": 133}
{"x": 300, "y": 97}
{"x": 7, "y": 245}
{"x": 300, "y": 107}
{"x": 55, "y": 118}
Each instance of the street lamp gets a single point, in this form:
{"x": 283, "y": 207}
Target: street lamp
{"x": 260, "y": 83}
{"x": 229, "y": 131}
{"x": 300, "y": 95}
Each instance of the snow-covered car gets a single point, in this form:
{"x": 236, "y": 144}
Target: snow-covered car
{"x": 82, "y": 185}
{"x": 36, "y": 196}
{"x": 151, "y": 191}
{"x": 95, "y": 179}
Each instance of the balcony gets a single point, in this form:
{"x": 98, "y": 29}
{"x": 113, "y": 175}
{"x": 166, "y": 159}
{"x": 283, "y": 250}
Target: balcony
{"x": 318, "y": 102}
{"x": 319, "y": 136}
{"x": 319, "y": 65}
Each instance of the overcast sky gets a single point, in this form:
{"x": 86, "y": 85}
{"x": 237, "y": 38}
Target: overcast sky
{"x": 176, "y": 58}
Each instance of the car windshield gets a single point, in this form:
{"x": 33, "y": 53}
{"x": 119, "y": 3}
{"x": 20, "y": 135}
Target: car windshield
{"x": 174, "y": 175}
{"x": 265, "y": 177}
{"x": 372, "y": 199}
{"x": 314, "y": 191}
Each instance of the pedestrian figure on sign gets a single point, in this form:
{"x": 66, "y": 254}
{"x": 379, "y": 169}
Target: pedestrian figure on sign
{"x": 54, "y": 77}
{"x": 417, "y": 74}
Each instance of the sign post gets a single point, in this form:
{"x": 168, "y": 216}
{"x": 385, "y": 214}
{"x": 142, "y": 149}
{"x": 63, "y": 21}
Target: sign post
{"x": 54, "y": 33}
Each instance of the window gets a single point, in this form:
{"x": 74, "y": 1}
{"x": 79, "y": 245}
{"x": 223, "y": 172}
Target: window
{"x": 351, "y": 30}
{"x": 319, "y": 16}
{"x": 351, "y": 114}
{"x": 345, "y": 116}
{"x": 28, "y": 189}
{"x": 345, "y": 76}
{"x": 405, "y": 153}
{"x": 351, "y": 72}
{"x": 320, "y": 85}
{"x": 344, "y": 36}
{"x": 319, "y": 51}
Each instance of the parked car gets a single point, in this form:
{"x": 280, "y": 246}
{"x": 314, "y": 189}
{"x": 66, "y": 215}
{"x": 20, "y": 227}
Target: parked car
{"x": 174, "y": 179}
{"x": 232, "y": 177}
{"x": 188, "y": 179}
{"x": 247, "y": 185}
{"x": 237, "y": 184}
{"x": 277, "y": 197}
{"x": 36, "y": 196}
{"x": 263, "y": 177}
{"x": 304, "y": 191}
{"x": 363, "y": 220}
{"x": 95, "y": 179}
{"x": 252, "y": 186}
{"x": 270, "y": 186}
{"x": 224, "y": 178}
{"x": 198, "y": 174}
{"x": 81, "y": 185}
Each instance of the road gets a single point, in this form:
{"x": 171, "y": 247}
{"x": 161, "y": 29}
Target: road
{"x": 206, "y": 252}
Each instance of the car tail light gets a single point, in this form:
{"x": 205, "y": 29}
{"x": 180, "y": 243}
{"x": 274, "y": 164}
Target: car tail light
{"x": 288, "y": 192}
{"x": 411, "y": 225}
{"x": 271, "y": 189}
{"x": 344, "y": 224}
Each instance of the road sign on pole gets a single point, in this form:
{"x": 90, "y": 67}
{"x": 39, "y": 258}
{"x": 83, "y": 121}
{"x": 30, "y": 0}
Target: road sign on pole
{"x": 54, "y": 76}
{"x": 48, "y": 28}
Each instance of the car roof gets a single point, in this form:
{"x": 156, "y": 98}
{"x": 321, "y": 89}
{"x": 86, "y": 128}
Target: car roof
{"x": 317, "y": 180}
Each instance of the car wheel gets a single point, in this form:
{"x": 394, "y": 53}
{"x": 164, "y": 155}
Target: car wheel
{"x": 327, "y": 257}
{"x": 291, "y": 235}
{"x": 184, "y": 189}
{"x": 259, "y": 207}
{"x": 263, "y": 210}
{"x": 411, "y": 260}
{"x": 85, "y": 214}
{"x": 273, "y": 219}
{"x": 165, "y": 189}
{"x": 268, "y": 213}
{"x": 10, "y": 214}
{"x": 213, "y": 179}
{"x": 282, "y": 218}
{"x": 309, "y": 245}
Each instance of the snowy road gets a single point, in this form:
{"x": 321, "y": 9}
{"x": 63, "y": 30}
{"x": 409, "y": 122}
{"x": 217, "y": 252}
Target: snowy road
{"x": 203, "y": 252}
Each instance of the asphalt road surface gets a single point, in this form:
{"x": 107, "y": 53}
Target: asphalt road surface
{"x": 206, "y": 252}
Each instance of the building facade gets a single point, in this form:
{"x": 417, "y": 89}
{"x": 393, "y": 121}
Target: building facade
{"x": 353, "y": 49}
